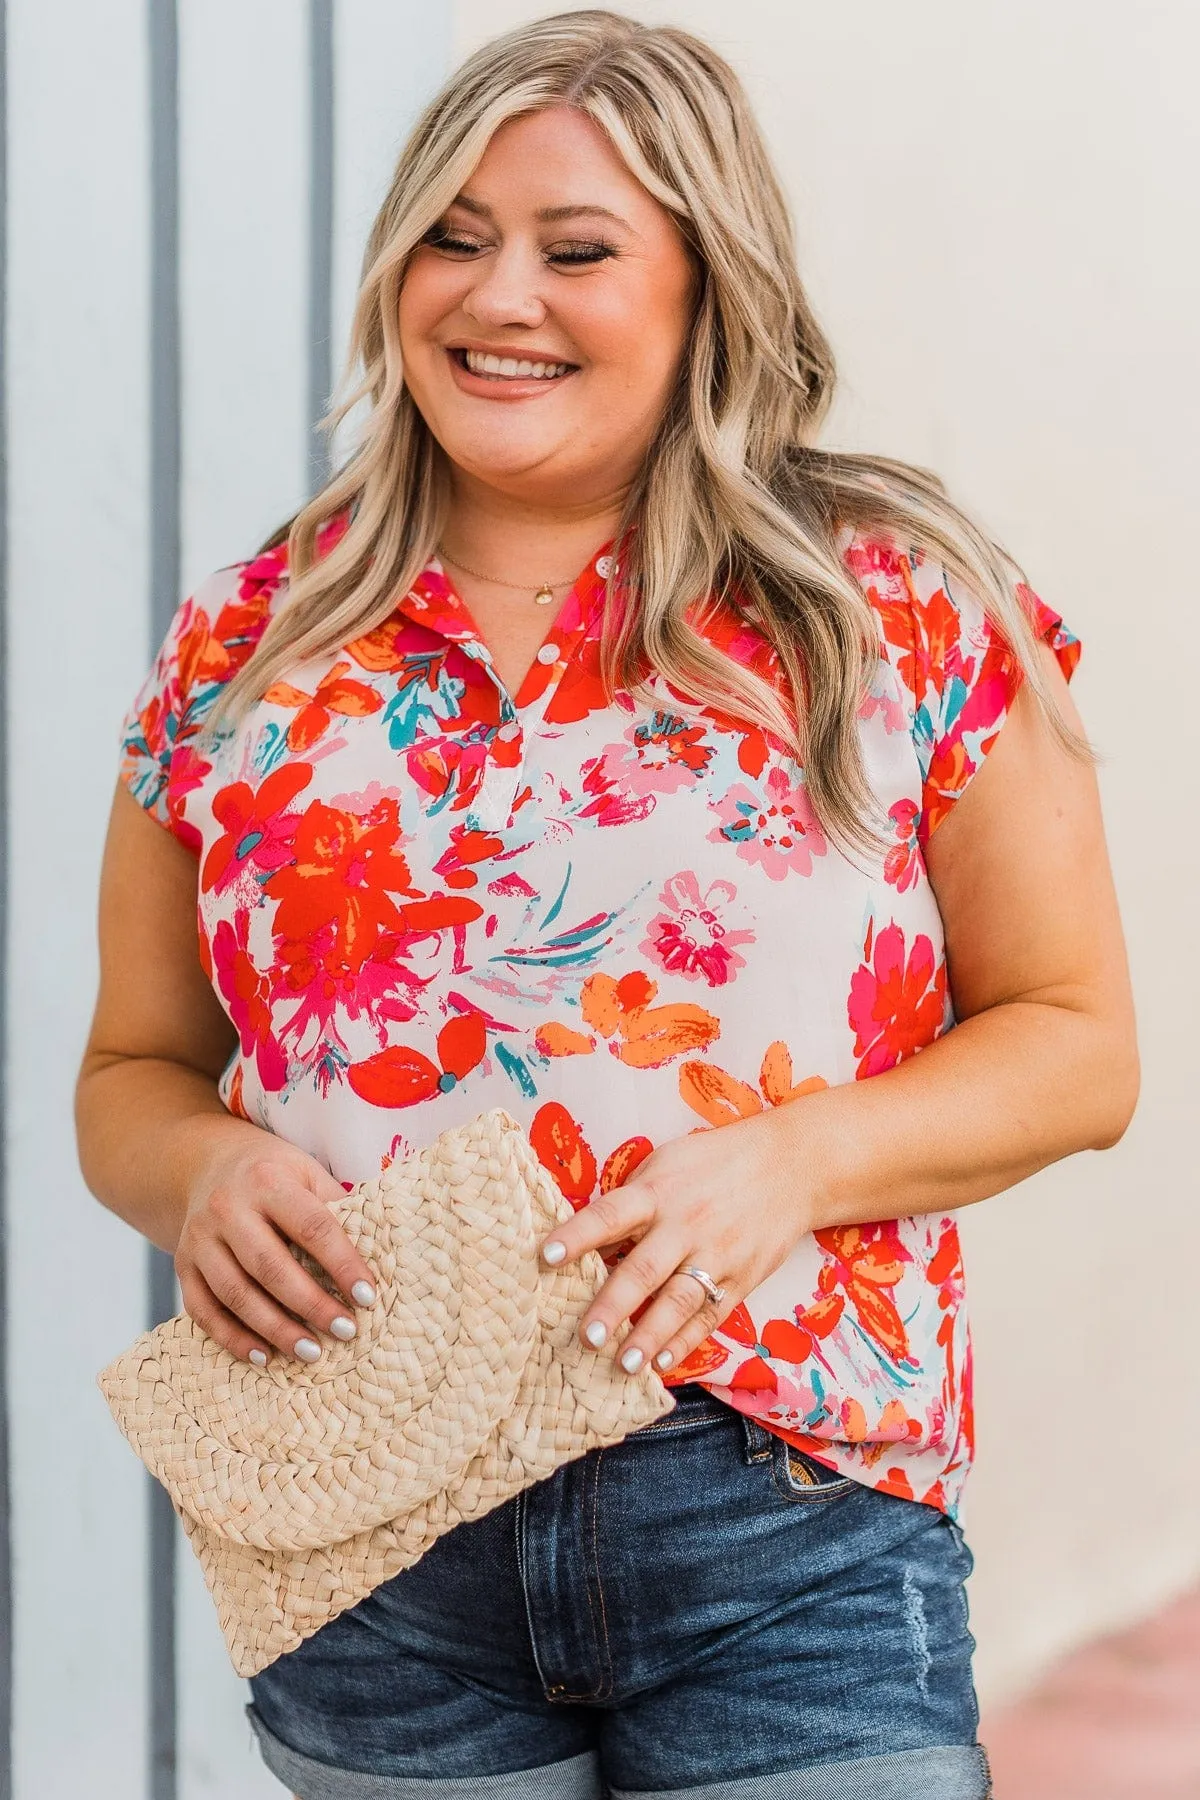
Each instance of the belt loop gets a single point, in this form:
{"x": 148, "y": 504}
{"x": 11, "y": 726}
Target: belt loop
{"x": 759, "y": 1442}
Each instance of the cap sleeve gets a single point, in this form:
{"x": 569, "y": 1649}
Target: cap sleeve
{"x": 209, "y": 637}
{"x": 967, "y": 678}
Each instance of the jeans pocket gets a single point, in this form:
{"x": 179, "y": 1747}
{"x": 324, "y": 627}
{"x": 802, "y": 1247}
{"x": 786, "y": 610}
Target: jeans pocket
{"x": 801, "y": 1478}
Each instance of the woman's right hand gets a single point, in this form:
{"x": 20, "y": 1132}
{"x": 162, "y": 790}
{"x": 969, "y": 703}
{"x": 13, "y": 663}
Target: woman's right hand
{"x": 240, "y": 1281}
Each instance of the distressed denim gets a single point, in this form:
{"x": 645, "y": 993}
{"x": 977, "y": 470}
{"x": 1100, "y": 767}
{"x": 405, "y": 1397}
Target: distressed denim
{"x": 697, "y": 1613}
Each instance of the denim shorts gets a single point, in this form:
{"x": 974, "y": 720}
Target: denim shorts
{"x": 697, "y": 1613}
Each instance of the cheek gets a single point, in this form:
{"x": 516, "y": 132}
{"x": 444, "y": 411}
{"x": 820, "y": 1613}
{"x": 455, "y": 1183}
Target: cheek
{"x": 430, "y": 292}
{"x": 639, "y": 348}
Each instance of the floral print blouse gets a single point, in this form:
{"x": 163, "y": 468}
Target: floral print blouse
{"x": 419, "y": 896}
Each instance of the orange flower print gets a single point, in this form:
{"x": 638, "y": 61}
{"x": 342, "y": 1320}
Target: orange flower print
{"x": 720, "y": 1097}
{"x": 896, "y": 1003}
{"x": 694, "y": 935}
{"x": 314, "y": 715}
{"x": 866, "y": 1261}
{"x": 402, "y": 1076}
{"x": 640, "y": 1035}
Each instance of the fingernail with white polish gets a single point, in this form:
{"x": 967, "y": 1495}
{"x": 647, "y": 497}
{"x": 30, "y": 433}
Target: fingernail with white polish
{"x": 631, "y": 1360}
{"x": 259, "y": 1357}
{"x": 596, "y": 1333}
{"x": 554, "y": 1252}
{"x": 363, "y": 1292}
{"x": 306, "y": 1350}
{"x": 342, "y": 1327}
{"x": 664, "y": 1359}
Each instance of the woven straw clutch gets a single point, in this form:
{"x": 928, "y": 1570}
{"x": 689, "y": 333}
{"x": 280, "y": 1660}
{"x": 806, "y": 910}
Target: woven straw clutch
{"x": 302, "y": 1488}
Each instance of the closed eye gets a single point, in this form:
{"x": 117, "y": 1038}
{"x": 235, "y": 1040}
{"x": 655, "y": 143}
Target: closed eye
{"x": 570, "y": 255}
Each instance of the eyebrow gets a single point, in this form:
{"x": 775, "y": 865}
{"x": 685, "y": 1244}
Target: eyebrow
{"x": 548, "y": 214}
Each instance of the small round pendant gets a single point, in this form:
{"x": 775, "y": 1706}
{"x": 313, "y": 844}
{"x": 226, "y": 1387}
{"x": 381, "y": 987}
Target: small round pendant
{"x": 544, "y": 596}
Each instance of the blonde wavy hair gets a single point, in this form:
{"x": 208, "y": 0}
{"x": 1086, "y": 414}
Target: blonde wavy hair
{"x": 734, "y": 495}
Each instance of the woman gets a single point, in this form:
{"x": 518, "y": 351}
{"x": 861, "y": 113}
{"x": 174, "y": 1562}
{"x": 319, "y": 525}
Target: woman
{"x": 596, "y": 746}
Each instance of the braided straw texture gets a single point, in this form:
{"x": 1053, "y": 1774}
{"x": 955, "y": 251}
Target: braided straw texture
{"x": 302, "y": 1487}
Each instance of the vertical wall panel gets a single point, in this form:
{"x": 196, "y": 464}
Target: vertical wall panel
{"x": 390, "y": 57}
{"x": 243, "y": 272}
{"x": 6, "y": 1620}
{"x": 78, "y": 633}
{"x": 244, "y": 204}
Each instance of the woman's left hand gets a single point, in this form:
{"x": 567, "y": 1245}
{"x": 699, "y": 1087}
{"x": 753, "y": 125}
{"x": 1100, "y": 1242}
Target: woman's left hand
{"x": 730, "y": 1199}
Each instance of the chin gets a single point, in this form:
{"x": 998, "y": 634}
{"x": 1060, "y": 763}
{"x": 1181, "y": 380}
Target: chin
{"x": 501, "y": 459}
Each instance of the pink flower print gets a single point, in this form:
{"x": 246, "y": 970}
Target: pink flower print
{"x": 897, "y": 1001}
{"x": 247, "y": 994}
{"x": 778, "y": 830}
{"x": 692, "y": 936}
{"x": 658, "y": 755}
{"x": 902, "y": 867}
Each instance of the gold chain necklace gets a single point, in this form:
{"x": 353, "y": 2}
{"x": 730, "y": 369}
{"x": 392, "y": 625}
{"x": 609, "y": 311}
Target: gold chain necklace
{"x": 543, "y": 594}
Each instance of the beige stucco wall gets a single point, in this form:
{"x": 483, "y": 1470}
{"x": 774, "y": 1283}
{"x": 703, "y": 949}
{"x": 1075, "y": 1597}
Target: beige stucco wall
{"x": 992, "y": 206}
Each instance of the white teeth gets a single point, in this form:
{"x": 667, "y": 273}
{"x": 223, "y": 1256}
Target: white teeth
{"x": 510, "y": 366}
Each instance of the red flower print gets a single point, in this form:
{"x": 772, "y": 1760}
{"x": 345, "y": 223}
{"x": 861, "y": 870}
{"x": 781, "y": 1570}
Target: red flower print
{"x": 402, "y": 1076}
{"x": 620, "y": 1163}
{"x": 333, "y": 694}
{"x": 945, "y": 1272}
{"x": 790, "y": 1343}
{"x": 580, "y": 689}
{"x": 258, "y": 831}
{"x": 247, "y": 995}
{"x": 466, "y": 848}
{"x": 902, "y": 868}
{"x": 442, "y": 766}
{"x": 563, "y": 1150}
{"x": 703, "y": 1360}
{"x": 339, "y": 887}
{"x": 693, "y": 936}
{"x": 865, "y": 1261}
{"x": 895, "y": 1006}
{"x": 896, "y": 1482}
{"x": 777, "y": 830}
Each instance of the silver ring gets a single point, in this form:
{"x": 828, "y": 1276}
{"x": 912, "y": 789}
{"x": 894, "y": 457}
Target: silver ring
{"x": 715, "y": 1293}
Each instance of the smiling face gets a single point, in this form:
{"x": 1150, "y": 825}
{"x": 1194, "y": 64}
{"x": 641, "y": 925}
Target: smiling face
{"x": 543, "y": 319}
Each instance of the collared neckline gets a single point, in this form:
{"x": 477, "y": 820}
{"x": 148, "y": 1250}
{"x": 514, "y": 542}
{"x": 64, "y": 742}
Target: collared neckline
{"x": 433, "y": 601}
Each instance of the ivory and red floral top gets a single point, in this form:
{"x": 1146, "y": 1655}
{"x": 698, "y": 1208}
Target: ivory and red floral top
{"x": 420, "y": 896}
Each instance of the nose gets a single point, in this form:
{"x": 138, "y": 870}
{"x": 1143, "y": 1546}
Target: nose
{"x": 506, "y": 290}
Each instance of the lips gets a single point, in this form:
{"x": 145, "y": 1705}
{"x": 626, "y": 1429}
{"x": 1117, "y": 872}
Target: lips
{"x": 532, "y": 370}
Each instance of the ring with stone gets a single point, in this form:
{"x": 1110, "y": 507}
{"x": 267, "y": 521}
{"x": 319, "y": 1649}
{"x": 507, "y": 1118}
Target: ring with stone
{"x": 715, "y": 1293}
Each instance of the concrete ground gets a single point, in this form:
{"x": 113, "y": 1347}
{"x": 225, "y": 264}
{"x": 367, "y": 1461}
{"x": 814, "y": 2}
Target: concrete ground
{"x": 1118, "y": 1720}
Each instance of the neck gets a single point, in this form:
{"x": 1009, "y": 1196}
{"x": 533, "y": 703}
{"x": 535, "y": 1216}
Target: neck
{"x": 515, "y": 539}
